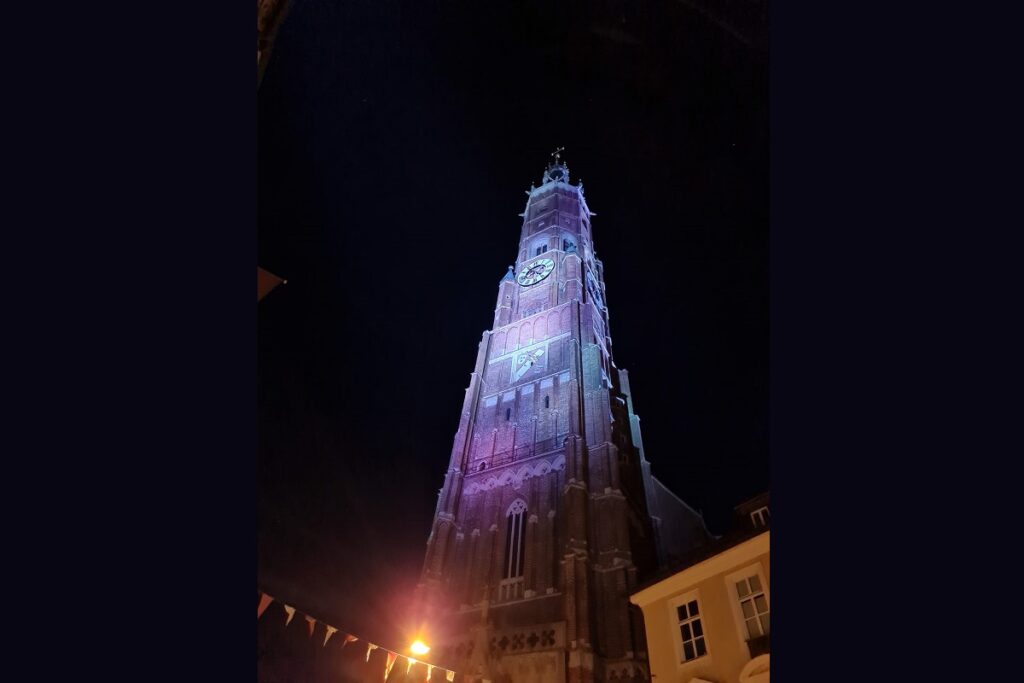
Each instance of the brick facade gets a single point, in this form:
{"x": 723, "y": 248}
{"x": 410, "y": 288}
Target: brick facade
{"x": 548, "y": 422}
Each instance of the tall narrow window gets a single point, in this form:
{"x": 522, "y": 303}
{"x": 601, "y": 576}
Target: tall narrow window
{"x": 511, "y": 586}
{"x": 753, "y": 605}
{"x": 691, "y": 629}
{"x": 508, "y": 414}
{"x": 547, "y": 401}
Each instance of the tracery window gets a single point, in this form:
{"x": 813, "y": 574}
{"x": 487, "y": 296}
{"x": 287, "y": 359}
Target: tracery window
{"x": 511, "y": 586}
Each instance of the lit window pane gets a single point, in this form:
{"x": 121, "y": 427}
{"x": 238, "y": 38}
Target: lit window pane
{"x": 764, "y": 624}
{"x": 693, "y": 608}
{"x": 686, "y": 632}
{"x": 701, "y": 649}
{"x": 741, "y": 588}
{"x": 755, "y": 583}
{"x": 748, "y": 609}
{"x": 761, "y": 603}
{"x": 688, "y": 651}
{"x": 698, "y": 630}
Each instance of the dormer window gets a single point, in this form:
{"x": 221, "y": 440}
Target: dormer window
{"x": 760, "y": 517}
{"x": 540, "y": 250}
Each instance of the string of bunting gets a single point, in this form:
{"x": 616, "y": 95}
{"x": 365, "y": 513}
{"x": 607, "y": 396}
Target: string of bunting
{"x": 392, "y": 656}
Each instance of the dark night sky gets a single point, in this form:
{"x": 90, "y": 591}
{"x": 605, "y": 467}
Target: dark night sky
{"x": 395, "y": 142}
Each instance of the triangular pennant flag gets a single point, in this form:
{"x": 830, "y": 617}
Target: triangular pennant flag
{"x": 291, "y": 613}
{"x": 408, "y": 667}
{"x": 265, "y": 601}
{"x": 266, "y": 281}
{"x": 370, "y": 647}
{"x": 449, "y": 675}
{"x": 312, "y": 624}
{"x": 430, "y": 670}
{"x": 330, "y": 632}
{"x": 391, "y": 662}
{"x": 349, "y": 639}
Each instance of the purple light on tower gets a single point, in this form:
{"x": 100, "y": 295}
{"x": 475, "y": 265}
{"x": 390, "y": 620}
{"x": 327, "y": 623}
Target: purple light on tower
{"x": 548, "y": 514}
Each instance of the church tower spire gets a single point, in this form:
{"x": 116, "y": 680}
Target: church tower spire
{"x": 557, "y": 171}
{"x": 548, "y": 512}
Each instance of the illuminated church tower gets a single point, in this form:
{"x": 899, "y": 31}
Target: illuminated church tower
{"x": 548, "y": 513}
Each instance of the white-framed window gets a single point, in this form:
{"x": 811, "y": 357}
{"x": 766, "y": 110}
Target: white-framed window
{"x": 690, "y": 627}
{"x": 751, "y": 606}
{"x": 760, "y": 517}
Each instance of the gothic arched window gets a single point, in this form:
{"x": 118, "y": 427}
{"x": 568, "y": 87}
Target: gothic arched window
{"x": 515, "y": 535}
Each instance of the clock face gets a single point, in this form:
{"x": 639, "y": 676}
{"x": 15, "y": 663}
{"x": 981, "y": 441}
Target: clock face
{"x": 535, "y": 272}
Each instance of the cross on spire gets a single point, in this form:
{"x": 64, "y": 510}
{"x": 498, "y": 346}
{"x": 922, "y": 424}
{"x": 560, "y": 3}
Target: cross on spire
{"x": 557, "y": 154}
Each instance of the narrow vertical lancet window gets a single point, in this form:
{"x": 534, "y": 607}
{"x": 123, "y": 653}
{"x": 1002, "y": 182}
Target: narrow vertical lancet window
{"x": 515, "y": 536}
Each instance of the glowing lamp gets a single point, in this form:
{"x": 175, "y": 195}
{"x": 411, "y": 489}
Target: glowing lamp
{"x": 418, "y": 648}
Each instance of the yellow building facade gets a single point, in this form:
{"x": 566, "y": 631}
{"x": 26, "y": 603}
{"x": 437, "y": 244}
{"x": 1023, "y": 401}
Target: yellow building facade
{"x": 709, "y": 622}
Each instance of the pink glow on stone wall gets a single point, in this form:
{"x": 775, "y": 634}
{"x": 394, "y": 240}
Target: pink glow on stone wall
{"x": 543, "y": 422}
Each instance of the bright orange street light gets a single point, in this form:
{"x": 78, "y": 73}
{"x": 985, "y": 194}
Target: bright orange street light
{"x": 419, "y": 648}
